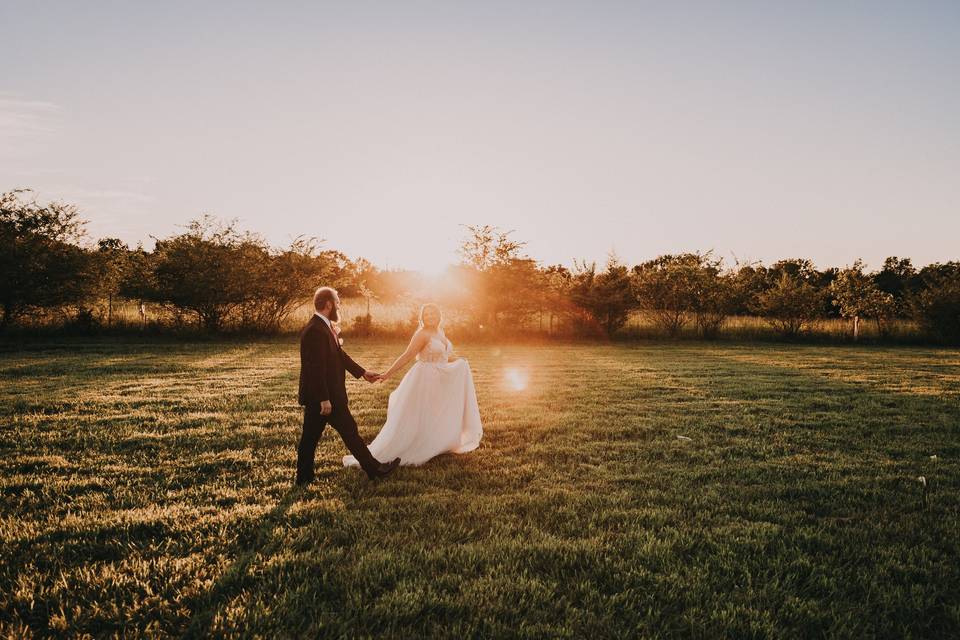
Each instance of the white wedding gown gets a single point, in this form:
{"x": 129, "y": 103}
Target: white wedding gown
{"x": 432, "y": 411}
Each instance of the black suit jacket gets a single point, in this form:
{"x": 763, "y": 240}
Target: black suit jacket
{"x": 323, "y": 366}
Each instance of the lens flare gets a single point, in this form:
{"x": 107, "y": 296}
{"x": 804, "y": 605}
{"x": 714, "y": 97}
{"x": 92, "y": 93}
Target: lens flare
{"x": 516, "y": 379}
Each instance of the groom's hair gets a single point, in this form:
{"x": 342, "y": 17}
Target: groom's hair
{"x": 322, "y": 296}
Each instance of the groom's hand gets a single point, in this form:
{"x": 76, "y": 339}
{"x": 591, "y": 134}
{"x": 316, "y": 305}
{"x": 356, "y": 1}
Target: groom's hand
{"x": 370, "y": 376}
{"x": 326, "y": 408}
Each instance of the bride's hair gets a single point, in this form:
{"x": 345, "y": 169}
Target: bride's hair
{"x": 436, "y": 308}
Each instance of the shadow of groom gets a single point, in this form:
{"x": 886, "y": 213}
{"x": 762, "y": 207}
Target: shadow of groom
{"x": 232, "y": 580}
{"x": 349, "y": 485}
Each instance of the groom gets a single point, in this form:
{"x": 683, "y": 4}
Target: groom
{"x": 323, "y": 392}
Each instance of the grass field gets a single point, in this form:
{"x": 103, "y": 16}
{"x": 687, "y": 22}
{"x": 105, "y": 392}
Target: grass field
{"x": 146, "y": 490}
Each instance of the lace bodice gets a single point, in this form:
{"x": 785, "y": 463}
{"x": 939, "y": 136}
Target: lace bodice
{"x": 437, "y": 349}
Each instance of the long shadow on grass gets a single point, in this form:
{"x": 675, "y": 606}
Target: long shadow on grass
{"x": 234, "y": 577}
{"x": 356, "y": 493}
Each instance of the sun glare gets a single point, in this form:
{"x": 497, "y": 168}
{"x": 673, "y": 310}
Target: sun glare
{"x": 516, "y": 379}
{"x": 436, "y": 271}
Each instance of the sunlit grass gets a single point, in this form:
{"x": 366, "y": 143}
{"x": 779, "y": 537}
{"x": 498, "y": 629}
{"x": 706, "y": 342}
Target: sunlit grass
{"x": 656, "y": 490}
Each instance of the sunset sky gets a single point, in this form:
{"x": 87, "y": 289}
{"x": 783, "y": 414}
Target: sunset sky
{"x": 827, "y": 130}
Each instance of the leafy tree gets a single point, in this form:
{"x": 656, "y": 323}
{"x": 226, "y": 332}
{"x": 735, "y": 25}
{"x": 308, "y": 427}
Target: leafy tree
{"x": 937, "y": 305}
{"x": 515, "y": 291}
{"x": 208, "y": 270}
{"x": 791, "y": 305}
{"x": 556, "y": 281}
{"x": 363, "y": 280}
{"x": 899, "y": 278}
{"x": 283, "y": 282}
{"x": 747, "y": 282}
{"x": 138, "y": 281}
{"x": 41, "y": 263}
{"x": 667, "y": 289}
{"x": 798, "y": 269}
{"x": 675, "y": 289}
{"x": 500, "y": 279}
{"x": 605, "y": 296}
{"x": 487, "y": 246}
{"x": 111, "y": 260}
{"x": 714, "y": 294}
{"x": 857, "y": 296}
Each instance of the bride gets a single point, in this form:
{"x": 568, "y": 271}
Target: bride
{"x": 434, "y": 408}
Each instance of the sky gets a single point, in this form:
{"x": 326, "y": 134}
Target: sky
{"x": 757, "y": 130}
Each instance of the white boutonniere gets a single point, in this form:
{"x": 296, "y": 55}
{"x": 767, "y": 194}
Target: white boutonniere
{"x": 340, "y": 340}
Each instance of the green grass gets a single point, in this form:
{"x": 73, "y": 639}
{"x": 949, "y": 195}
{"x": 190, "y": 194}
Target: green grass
{"x": 146, "y": 490}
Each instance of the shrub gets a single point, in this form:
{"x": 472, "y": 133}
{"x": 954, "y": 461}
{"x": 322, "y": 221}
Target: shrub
{"x": 714, "y": 296}
{"x": 857, "y": 296}
{"x": 208, "y": 270}
{"x": 283, "y": 282}
{"x": 937, "y": 305}
{"x": 791, "y": 305}
{"x": 42, "y": 264}
{"x": 605, "y": 297}
{"x": 673, "y": 289}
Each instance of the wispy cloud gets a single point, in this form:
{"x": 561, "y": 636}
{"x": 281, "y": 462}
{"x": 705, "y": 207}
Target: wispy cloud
{"x": 116, "y": 213}
{"x": 112, "y": 195}
{"x": 22, "y": 118}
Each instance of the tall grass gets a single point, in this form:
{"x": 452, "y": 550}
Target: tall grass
{"x": 398, "y": 319}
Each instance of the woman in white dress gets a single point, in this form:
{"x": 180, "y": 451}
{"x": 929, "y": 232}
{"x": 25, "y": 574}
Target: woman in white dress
{"x": 434, "y": 408}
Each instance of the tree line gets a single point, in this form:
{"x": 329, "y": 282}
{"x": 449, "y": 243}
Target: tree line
{"x": 216, "y": 277}
{"x": 699, "y": 291}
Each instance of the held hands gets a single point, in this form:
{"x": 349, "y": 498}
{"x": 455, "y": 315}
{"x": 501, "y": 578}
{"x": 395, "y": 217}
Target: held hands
{"x": 372, "y": 377}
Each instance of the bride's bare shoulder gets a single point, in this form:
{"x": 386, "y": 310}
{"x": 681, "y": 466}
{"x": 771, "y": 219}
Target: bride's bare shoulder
{"x": 420, "y": 335}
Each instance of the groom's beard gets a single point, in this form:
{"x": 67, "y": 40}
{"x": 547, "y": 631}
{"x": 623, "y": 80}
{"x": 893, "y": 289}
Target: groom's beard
{"x": 334, "y": 315}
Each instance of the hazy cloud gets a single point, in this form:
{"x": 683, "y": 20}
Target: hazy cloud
{"x": 110, "y": 195}
{"x": 21, "y": 118}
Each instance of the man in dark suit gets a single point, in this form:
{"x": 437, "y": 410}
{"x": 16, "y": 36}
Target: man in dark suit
{"x": 323, "y": 390}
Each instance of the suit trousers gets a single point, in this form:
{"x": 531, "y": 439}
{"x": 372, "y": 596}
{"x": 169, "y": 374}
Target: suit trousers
{"x": 341, "y": 420}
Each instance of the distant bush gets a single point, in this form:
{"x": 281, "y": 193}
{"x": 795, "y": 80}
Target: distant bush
{"x": 207, "y": 270}
{"x": 857, "y": 296}
{"x": 900, "y": 279}
{"x": 677, "y": 289}
{"x": 42, "y": 265}
{"x": 282, "y": 282}
{"x": 937, "y": 305}
{"x": 715, "y": 296}
{"x": 226, "y": 277}
{"x": 790, "y": 305}
{"x": 665, "y": 289}
{"x": 605, "y": 296}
